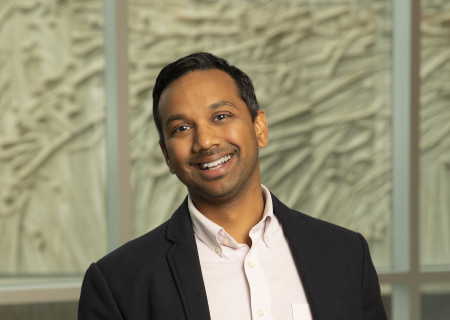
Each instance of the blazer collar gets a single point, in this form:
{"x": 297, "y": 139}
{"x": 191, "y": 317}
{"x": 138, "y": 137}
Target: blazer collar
{"x": 184, "y": 264}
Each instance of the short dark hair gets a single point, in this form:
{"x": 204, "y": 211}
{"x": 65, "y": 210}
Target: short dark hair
{"x": 202, "y": 61}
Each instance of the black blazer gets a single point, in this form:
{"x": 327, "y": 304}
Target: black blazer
{"x": 158, "y": 275}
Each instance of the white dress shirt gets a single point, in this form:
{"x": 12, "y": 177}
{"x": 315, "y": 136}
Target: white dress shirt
{"x": 258, "y": 283}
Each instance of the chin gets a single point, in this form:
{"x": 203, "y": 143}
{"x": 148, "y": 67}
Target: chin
{"x": 218, "y": 193}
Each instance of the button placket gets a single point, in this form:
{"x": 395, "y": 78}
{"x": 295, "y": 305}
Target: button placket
{"x": 259, "y": 290}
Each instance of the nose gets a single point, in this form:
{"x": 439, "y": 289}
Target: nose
{"x": 205, "y": 137}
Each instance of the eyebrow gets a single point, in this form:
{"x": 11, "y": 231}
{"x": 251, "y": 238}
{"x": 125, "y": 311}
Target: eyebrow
{"x": 174, "y": 118}
{"x": 221, "y": 103}
{"x": 211, "y": 107}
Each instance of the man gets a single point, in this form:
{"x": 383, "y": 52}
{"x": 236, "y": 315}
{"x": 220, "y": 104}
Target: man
{"x": 232, "y": 250}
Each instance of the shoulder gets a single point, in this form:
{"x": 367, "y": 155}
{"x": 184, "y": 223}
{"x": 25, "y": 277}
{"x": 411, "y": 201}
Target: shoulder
{"x": 300, "y": 225}
{"x": 342, "y": 252}
{"x": 137, "y": 251}
{"x": 148, "y": 242}
{"x": 152, "y": 245}
{"x": 336, "y": 258}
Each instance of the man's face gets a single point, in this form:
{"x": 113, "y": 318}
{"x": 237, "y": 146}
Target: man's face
{"x": 211, "y": 143}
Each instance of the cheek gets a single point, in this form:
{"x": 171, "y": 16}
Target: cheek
{"x": 241, "y": 134}
{"x": 232, "y": 135}
{"x": 178, "y": 153}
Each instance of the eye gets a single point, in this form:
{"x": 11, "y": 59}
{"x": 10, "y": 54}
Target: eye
{"x": 181, "y": 128}
{"x": 221, "y": 116}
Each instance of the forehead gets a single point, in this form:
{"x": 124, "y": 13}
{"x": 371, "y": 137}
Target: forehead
{"x": 199, "y": 87}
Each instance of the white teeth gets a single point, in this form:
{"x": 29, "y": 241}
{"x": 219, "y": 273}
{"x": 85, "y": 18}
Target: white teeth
{"x": 215, "y": 163}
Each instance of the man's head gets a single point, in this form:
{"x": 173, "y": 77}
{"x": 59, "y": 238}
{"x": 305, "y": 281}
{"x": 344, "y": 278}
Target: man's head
{"x": 202, "y": 61}
{"x": 210, "y": 137}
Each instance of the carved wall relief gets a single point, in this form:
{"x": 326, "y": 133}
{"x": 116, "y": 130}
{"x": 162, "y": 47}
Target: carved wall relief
{"x": 435, "y": 133}
{"x": 322, "y": 74}
{"x": 52, "y": 158}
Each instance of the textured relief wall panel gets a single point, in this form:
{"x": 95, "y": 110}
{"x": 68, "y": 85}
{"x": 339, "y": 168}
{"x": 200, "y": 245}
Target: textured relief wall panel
{"x": 435, "y": 133}
{"x": 322, "y": 75}
{"x": 52, "y": 175}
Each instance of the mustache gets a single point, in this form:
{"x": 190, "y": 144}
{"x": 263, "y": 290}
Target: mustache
{"x": 208, "y": 153}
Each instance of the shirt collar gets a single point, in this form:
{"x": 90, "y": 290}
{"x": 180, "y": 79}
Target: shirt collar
{"x": 215, "y": 236}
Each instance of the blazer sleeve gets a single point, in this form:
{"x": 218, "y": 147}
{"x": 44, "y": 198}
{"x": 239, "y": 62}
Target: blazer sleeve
{"x": 96, "y": 301}
{"x": 372, "y": 304}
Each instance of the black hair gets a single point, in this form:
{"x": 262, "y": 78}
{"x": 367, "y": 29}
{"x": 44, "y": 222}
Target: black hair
{"x": 202, "y": 61}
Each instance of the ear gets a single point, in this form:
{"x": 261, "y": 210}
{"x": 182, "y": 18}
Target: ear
{"x": 166, "y": 157}
{"x": 261, "y": 129}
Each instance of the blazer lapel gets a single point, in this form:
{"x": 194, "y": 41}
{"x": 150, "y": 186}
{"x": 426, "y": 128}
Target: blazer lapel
{"x": 185, "y": 266}
{"x": 307, "y": 252}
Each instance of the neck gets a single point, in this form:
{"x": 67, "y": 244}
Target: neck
{"x": 238, "y": 216}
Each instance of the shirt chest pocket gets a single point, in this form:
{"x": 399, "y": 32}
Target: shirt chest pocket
{"x": 300, "y": 311}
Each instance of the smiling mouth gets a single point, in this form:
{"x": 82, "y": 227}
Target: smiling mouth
{"x": 215, "y": 164}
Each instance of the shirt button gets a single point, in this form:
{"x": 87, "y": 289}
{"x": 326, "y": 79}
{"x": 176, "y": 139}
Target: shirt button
{"x": 218, "y": 250}
{"x": 226, "y": 241}
{"x": 250, "y": 264}
{"x": 261, "y": 312}
{"x": 267, "y": 238}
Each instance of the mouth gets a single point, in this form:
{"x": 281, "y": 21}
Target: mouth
{"x": 214, "y": 164}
